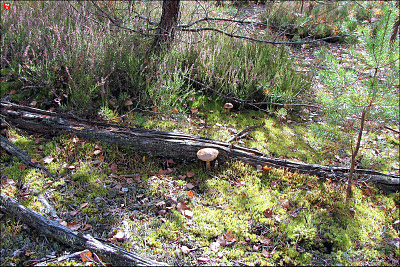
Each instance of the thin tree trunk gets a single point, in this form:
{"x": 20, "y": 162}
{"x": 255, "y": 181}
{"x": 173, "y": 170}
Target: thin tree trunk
{"x": 353, "y": 157}
{"x": 169, "y": 19}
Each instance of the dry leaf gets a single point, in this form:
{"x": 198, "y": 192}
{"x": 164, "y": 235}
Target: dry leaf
{"x": 84, "y": 205}
{"x": 185, "y": 250}
{"x": 28, "y": 253}
{"x": 96, "y": 152}
{"x": 174, "y": 110}
{"x": 86, "y": 256}
{"x": 189, "y": 186}
{"x": 128, "y": 102}
{"x": 190, "y": 174}
{"x": 265, "y": 253}
{"x": 101, "y": 158}
{"x": 214, "y": 246}
{"x": 47, "y": 159}
{"x": 35, "y": 161}
{"x": 162, "y": 212}
{"x": 129, "y": 181}
{"x": 202, "y": 259}
{"x": 21, "y": 166}
{"x": 284, "y": 202}
{"x": 167, "y": 171}
{"x": 74, "y": 226}
{"x": 268, "y": 213}
{"x": 181, "y": 207}
{"x": 119, "y": 235}
{"x": 113, "y": 168}
{"x": 74, "y": 212}
{"x": 190, "y": 194}
{"x": 188, "y": 213}
{"x": 228, "y": 236}
{"x": 87, "y": 227}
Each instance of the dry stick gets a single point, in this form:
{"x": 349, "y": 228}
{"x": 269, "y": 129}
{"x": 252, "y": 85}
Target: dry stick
{"x": 115, "y": 255}
{"x": 19, "y": 153}
{"x": 242, "y": 133}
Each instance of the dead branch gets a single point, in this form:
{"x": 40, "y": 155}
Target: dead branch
{"x": 173, "y": 145}
{"x": 54, "y": 229}
{"x": 243, "y": 132}
{"x": 16, "y": 151}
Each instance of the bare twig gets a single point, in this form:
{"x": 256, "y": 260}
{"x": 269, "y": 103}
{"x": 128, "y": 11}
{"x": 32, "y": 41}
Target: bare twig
{"x": 259, "y": 40}
{"x": 243, "y": 132}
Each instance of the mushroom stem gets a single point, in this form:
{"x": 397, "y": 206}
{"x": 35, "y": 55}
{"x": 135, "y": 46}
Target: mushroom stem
{"x": 208, "y": 166}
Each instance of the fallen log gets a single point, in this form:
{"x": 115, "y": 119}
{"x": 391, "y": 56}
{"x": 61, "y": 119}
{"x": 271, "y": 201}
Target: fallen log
{"x": 112, "y": 254}
{"x": 173, "y": 145}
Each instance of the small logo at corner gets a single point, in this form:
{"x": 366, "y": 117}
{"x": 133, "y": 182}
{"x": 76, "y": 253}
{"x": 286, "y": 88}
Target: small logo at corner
{"x": 7, "y": 6}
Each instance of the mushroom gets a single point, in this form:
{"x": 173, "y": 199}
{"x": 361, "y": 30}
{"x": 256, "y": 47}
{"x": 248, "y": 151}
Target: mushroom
{"x": 228, "y": 106}
{"x": 207, "y": 155}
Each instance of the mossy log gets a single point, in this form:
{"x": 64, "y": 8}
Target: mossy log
{"x": 174, "y": 145}
{"x": 112, "y": 254}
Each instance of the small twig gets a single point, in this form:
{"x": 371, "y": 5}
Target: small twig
{"x": 396, "y": 131}
{"x": 59, "y": 259}
{"x": 243, "y": 132}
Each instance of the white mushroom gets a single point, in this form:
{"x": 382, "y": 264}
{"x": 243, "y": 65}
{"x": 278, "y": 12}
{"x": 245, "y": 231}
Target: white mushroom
{"x": 207, "y": 155}
{"x": 228, "y": 106}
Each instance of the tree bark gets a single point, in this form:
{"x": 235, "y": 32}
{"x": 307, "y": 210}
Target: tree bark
{"x": 112, "y": 254}
{"x": 169, "y": 19}
{"x": 173, "y": 145}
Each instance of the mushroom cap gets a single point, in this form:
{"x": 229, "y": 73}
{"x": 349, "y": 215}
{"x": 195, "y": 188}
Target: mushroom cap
{"x": 228, "y": 105}
{"x": 207, "y": 154}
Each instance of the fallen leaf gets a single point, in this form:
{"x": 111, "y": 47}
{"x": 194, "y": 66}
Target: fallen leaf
{"x": 119, "y": 235}
{"x": 174, "y": 110}
{"x": 35, "y": 161}
{"x": 181, "y": 207}
{"x": 28, "y": 253}
{"x": 84, "y": 205}
{"x": 268, "y": 213}
{"x": 129, "y": 181}
{"x": 228, "y": 236}
{"x": 285, "y": 203}
{"x": 189, "y": 186}
{"x": 264, "y": 241}
{"x": 185, "y": 250}
{"x": 74, "y": 226}
{"x": 114, "y": 168}
{"x": 214, "y": 246}
{"x": 162, "y": 212}
{"x": 96, "y": 152}
{"x": 188, "y": 213}
{"x": 74, "y": 212}
{"x": 244, "y": 194}
{"x": 101, "y": 158}
{"x": 167, "y": 171}
{"x": 190, "y": 174}
{"x": 190, "y": 194}
{"x": 202, "y": 259}
{"x": 21, "y": 166}
{"x": 265, "y": 253}
{"x": 86, "y": 256}
{"x": 87, "y": 227}
{"x": 128, "y": 102}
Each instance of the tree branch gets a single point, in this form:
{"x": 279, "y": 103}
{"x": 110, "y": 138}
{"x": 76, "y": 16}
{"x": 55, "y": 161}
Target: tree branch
{"x": 259, "y": 40}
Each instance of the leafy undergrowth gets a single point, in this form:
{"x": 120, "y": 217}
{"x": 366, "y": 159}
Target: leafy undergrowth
{"x": 177, "y": 213}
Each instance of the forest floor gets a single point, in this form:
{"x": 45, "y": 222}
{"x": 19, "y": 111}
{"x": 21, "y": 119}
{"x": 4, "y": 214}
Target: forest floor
{"x": 178, "y": 213}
